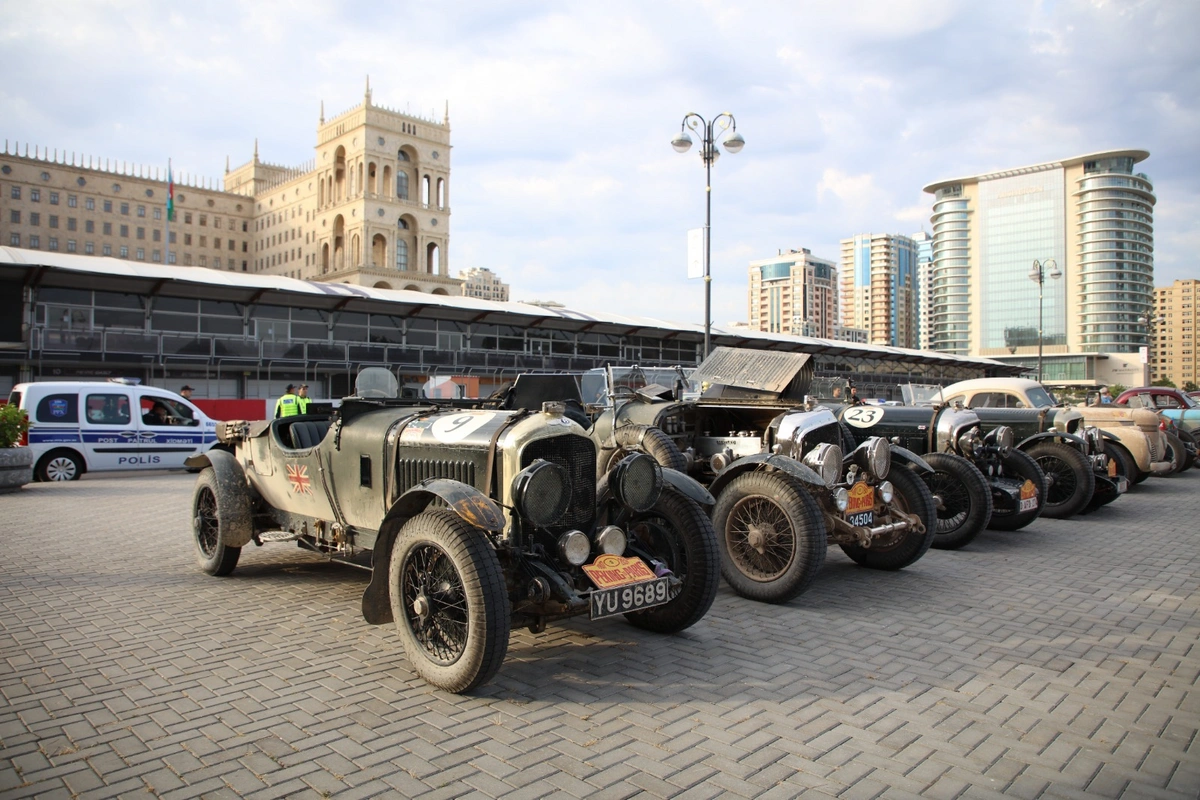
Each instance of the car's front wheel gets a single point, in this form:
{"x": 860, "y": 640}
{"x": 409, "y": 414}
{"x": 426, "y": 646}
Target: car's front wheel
{"x": 772, "y": 536}
{"x": 1069, "y": 479}
{"x": 679, "y": 535}
{"x": 213, "y": 507}
{"x": 962, "y": 497}
{"x": 449, "y": 602}
{"x": 1009, "y": 516}
{"x": 912, "y": 497}
{"x": 59, "y": 465}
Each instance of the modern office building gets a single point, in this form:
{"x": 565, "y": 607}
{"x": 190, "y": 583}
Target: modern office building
{"x": 794, "y": 292}
{"x": 1173, "y": 332}
{"x": 1091, "y": 215}
{"x": 924, "y": 285}
{"x": 371, "y": 208}
{"x": 483, "y": 283}
{"x": 879, "y": 287}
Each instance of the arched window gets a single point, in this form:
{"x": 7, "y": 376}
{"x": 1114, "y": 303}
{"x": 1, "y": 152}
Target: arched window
{"x": 425, "y": 191}
{"x": 402, "y": 223}
{"x": 403, "y": 156}
{"x": 441, "y": 192}
{"x": 401, "y": 185}
{"x": 401, "y": 254}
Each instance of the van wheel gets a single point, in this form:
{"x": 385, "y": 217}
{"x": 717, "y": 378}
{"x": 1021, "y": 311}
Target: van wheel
{"x": 59, "y": 465}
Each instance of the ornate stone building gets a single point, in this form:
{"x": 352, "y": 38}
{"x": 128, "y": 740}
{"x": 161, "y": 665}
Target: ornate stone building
{"x": 371, "y": 208}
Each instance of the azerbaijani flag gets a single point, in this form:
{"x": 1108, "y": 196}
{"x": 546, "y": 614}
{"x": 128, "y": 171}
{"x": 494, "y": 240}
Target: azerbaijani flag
{"x": 170, "y": 193}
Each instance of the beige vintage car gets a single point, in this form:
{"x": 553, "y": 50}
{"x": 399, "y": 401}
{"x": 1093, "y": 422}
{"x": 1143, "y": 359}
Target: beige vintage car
{"x": 1135, "y": 430}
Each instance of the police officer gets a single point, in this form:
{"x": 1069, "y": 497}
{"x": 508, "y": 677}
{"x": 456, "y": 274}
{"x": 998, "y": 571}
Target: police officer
{"x": 288, "y": 405}
{"x": 302, "y": 398}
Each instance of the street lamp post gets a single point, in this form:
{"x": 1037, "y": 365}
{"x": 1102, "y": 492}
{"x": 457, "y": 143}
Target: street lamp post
{"x": 1150, "y": 321}
{"x": 708, "y": 154}
{"x": 1038, "y": 274}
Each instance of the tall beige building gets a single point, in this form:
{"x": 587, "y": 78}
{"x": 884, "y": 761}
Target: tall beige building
{"x": 879, "y": 287}
{"x": 371, "y": 208}
{"x": 1092, "y": 215}
{"x": 1173, "y": 342}
{"x": 794, "y": 292}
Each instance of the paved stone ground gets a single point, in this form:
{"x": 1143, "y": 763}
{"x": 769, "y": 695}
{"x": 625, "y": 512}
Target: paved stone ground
{"x": 1060, "y": 661}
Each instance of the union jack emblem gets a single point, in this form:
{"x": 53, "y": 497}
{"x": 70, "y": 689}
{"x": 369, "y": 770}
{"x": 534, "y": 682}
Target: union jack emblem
{"x": 298, "y": 475}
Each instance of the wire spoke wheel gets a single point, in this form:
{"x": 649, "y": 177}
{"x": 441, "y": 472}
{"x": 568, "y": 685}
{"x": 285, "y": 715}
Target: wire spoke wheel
{"x": 1060, "y": 479}
{"x": 955, "y": 503}
{"x": 435, "y": 603}
{"x": 208, "y": 530}
{"x": 760, "y": 539}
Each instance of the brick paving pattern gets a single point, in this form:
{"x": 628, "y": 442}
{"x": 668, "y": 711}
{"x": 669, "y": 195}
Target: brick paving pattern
{"x": 1060, "y": 661}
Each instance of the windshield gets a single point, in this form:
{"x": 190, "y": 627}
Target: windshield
{"x": 1188, "y": 400}
{"x": 594, "y": 383}
{"x": 1040, "y": 397}
{"x": 920, "y": 394}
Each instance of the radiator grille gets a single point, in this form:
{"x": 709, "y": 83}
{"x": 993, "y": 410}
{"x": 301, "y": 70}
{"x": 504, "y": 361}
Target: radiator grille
{"x": 410, "y": 472}
{"x": 1155, "y": 453}
{"x": 577, "y": 455}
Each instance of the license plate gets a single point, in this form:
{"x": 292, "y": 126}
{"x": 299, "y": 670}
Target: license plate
{"x": 623, "y": 599}
{"x": 863, "y": 519}
{"x": 1112, "y": 468}
{"x": 1029, "y": 498}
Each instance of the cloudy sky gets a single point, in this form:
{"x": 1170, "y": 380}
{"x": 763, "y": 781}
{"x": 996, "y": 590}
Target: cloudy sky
{"x": 563, "y": 179}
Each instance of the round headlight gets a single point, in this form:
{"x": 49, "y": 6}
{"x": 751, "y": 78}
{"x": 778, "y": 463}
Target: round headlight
{"x": 886, "y": 491}
{"x": 574, "y": 548}
{"x": 611, "y": 540}
{"x": 841, "y": 499}
{"x": 541, "y": 492}
{"x": 969, "y": 441}
{"x": 637, "y": 481}
{"x": 874, "y": 456}
{"x": 826, "y": 461}
{"x": 1004, "y": 436}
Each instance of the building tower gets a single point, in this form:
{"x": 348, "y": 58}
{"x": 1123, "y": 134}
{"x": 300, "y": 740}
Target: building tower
{"x": 1093, "y": 215}
{"x": 1173, "y": 331}
{"x": 794, "y": 292}
{"x": 879, "y": 287}
{"x": 924, "y": 285}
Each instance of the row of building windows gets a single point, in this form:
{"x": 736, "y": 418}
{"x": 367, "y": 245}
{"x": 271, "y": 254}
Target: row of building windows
{"x": 126, "y": 209}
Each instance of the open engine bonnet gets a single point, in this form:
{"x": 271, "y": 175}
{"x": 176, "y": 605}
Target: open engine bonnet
{"x": 734, "y": 374}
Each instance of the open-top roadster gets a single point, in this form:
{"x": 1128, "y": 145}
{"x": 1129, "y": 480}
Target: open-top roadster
{"x": 470, "y": 520}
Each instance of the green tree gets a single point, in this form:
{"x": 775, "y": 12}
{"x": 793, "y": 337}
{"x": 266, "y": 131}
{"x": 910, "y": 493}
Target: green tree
{"x": 1116, "y": 389}
{"x": 1190, "y": 386}
{"x": 1164, "y": 382}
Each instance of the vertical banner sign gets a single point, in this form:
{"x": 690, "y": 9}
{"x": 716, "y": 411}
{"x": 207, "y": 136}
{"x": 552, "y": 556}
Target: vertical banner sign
{"x": 695, "y": 253}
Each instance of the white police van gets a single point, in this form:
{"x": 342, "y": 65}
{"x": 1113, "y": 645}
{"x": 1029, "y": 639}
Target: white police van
{"x": 82, "y": 426}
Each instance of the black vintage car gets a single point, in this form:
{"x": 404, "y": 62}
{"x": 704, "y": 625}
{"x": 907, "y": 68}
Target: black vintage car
{"x": 785, "y": 489}
{"x": 471, "y": 520}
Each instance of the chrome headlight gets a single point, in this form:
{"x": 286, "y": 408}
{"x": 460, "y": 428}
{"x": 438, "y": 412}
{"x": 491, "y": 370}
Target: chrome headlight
{"x": 826, "y": 461}
{"x": 841, "y": 499}
{"x": 969, "y": 442}
{"x": 1095, "y": 440}
{"x": 874, "y": 456}
{"x": 611, "y": 540}
{"x": 1002, "y": 437}
{"x": 574, "y": 548}
{"x": 637, "y": 481}
{"x": 886, "y": 491}
{"x": 541, "y": 492}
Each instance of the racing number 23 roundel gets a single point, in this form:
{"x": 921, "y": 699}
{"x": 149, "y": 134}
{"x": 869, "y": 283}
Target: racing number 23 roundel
{"x": 863, "y": 416}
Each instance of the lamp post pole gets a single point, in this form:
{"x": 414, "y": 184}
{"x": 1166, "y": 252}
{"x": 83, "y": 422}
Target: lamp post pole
{"x": 709, "y": 131}
{"x": 1150, "y": 321}
{"x": 1038, "y": 274}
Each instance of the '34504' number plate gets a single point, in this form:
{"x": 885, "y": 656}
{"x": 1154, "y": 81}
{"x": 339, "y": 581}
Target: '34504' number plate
{"x": 622, "y": 599}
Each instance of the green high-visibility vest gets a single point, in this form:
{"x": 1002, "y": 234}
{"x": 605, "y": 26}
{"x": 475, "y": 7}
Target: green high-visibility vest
{"x": 287, "y": 406}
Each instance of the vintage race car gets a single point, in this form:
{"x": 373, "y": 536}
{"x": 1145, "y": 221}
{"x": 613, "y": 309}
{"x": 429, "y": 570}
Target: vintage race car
{"x": 785, "y": 490}
{"x": 1132, "y": 436}
{"x": 470, "y": 520}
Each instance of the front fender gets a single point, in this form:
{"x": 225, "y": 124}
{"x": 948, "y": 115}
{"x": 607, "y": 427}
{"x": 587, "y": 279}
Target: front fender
{"x": 1052, "y": 435}
{"x": 237, "y": 529}
{"x": 689, "y": 486}
{"x": 760, "y": 461}
{"x": 475, "y": 508}
{"x": 905, "y": 457}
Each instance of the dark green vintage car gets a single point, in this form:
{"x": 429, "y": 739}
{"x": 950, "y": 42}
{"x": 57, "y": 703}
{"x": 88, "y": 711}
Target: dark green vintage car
{"x": 471, "y": 520}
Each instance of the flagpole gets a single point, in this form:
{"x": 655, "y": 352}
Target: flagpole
{"x": 167, "y": 215}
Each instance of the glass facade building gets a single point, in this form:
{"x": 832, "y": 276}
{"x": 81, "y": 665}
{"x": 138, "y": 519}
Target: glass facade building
{"x": 879, "y": 287}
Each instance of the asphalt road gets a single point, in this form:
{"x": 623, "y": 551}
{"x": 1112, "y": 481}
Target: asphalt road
{"x": 1060, "y": 661}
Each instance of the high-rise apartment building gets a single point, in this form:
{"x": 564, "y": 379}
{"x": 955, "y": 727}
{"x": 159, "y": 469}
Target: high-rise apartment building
{"x": 371, "y": 208}
{"x": 879, "y": 287}
{"x": 483, "y": 283}
{"x": 924, "y": 286}
{"x": 1173, "y": 333}
{"x": 794, "y": 292}
{"x": 1093, "y": 216}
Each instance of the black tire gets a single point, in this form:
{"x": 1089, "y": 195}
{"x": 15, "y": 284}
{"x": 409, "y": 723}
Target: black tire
{"x": 1018, "y": 464}
{"x": 962, "y": 497}
{"x": 677, "y": 533}
{"x": 912, "y": 496}
{"x": 849, "y": 443}
{"x": 1189, "y": 441}
{"x": 1069, "y": 479}
{"x": 653, "y": 442}
{"x": 1126, "y": 466}
{"x": 59, "y": 465}
{"x": 772, "y": 536}
{"x": 1176, "y": 452}
{"x": 212, "y": 509}
{"x": 448, "y": 600}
